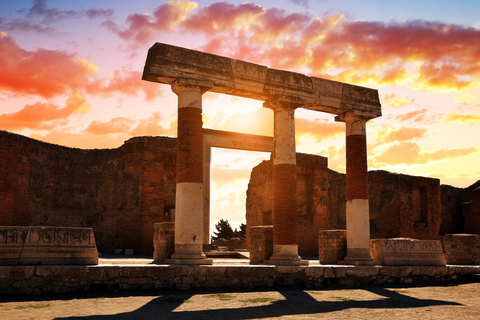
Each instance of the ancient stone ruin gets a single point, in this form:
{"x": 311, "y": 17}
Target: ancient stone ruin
{"x": 123, "y": 193}
{"x": 191, "y": 73}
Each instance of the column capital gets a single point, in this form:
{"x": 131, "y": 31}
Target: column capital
{"x": 278, "y": 103}
{"x": 355, "y": 123}
{"x": 186, "y": 84}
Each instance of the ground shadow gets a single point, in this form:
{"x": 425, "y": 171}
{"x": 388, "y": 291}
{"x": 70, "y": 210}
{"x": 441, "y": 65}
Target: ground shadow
{"x": 297, "y": 302}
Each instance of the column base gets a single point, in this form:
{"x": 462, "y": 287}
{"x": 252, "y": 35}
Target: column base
{"x": 359, "y": 257}
{"x": 189, "y": 259}
{"x": 286, "y": 255}
{"x": 189, "y": 254}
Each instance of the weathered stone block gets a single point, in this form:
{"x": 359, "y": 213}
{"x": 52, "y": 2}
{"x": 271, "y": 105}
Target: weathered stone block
{"x": 404, "y": 251}
{"x": 47, "y": 245}
{"x": 332, "y": 246}
{"x": 163, "y": 241}
{"x": 262, "y": 244}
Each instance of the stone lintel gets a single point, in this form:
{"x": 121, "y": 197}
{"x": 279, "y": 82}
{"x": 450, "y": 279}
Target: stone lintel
{"x": 166, "y": 63}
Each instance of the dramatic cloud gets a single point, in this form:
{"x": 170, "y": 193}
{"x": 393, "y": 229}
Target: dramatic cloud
{"x": 115, "y": 125}
{"x": 472, "y": 119}
{"x": 142, "y": 28}
{"x": 392, "y": 100}
{"x": 42, "y": 72}
{"x": 43, "y": 116}
{"x": 152, "y": 127}
{"x": 223, "y": 176}
{"x": 125, "y": 82}
{"x": 402, "y": 134}
{"x": 414, "y": 116}
{"x": 318, "y": 129}
{"x": 410, "y": 153}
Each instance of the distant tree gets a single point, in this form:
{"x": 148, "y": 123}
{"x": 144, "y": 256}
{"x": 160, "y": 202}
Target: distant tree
{"x": 242, "y": 233}
{"x": 224, "y": 230}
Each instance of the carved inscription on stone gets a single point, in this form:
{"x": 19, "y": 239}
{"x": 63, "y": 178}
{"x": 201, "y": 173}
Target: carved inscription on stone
{"x": 249, "y": 70}
{"x": 45, "y": 236}
{"x": 47, "y": 245}
{"x": 404, "y": 251}
{"x": 323, "y": 86}
{"x": 360, "y": 93}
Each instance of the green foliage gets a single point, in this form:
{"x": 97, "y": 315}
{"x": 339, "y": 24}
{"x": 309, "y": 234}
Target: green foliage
{"x": 221, "y": 296}
{"x": 257, "y": 300}
{"x": 33, "y": 306}
{"x": 341, "y": 299}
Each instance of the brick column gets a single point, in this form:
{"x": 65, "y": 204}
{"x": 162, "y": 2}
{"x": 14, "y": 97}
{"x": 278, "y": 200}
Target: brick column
{"x": 189, "y": 188}
{"x": 358, "y": 213}
{"x": 285, "y": 239}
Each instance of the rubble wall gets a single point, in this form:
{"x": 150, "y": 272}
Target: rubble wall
{"x": 119, "y": 192}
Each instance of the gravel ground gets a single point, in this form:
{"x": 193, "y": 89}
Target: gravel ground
{"x": 437, "y": 301}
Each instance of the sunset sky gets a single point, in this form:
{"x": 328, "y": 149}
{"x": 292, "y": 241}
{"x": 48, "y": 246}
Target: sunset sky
{"x": 70, "y": 74}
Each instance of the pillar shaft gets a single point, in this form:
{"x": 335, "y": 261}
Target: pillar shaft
{"x": 357, "y": 207}
{"x": 189, "y": 218}
{"x": 285, "y": 239}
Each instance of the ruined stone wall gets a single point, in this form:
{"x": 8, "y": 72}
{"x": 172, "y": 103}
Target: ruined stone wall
{"x": 119, "y": 192}
{"x": 455, "y": 209}
{"x": 400, "y": 205}
{"x": 312, "y": 200}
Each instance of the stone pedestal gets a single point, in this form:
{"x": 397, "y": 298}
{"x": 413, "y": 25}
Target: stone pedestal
{"x": 262, "y": 244}
{"x": 189, "y": 219}
{"x": 47, "y": 246}
{"x": 332, "y": 246}
{"x": 163, "y": 241}
{"x": 408, "y": 252}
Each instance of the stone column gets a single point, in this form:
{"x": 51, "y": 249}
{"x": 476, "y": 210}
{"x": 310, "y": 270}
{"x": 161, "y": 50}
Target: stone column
{"x": 285, "y": 239}
{"x": 189, "y": 189}
{"x": 358, "y": 213}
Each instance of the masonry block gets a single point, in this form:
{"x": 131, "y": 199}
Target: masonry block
{"x": 163, "y": 241}
{"x": 262, "y": 244}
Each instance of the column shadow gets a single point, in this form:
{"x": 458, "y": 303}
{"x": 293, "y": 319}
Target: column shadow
{"x": 297, "y": 302}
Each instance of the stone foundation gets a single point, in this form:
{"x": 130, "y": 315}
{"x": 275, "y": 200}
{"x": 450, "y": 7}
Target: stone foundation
{"x": 63, "y": 279}
{"x": 332, "y": 246}
{"x": 47, "y": 245}
{"x": 462, "y": 249}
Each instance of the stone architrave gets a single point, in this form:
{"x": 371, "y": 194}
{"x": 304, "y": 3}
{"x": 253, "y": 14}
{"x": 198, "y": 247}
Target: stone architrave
{"x": 47, "y": 246}
{"x": 166, "y": 64}
{"x": 408, "y": 252}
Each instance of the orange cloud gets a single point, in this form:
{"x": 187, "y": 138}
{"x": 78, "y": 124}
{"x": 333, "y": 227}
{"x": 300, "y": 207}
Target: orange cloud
{"x": 151, "y": 127}
{"x": 142, "y": 28}
{"x": 392, "y": 100}
{"x": 41, "y": 72}
{"x": 43, "y": 116}
{"x": 125, "y": 82}
{"x": 115, "y": 125}
{"x": 224, "y": 176}
{"x": 472, "y": 119}
{"x": 402, "y": 134}
{"x": 409, "y": 153}
{"x": 414, "y": 116}
{"x": 318, "y": 129}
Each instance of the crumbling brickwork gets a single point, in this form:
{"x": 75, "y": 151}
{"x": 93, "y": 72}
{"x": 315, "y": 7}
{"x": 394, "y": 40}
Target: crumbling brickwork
{"x": 119, "y": 192}
{"x": 400, "y": 205}
{"x": 462, "y": 249}
{"x": 332, "y": 246}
